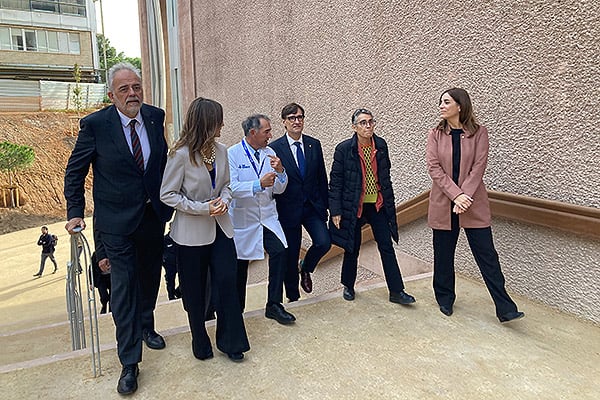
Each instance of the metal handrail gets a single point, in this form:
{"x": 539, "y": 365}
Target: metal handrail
{"x": 80, "y": 247}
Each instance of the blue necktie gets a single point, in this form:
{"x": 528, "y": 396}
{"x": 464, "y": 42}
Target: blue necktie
{"x": 300, "y": 158}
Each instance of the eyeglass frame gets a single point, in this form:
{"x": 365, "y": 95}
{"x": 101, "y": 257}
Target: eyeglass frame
{"x": 367, "y": 122}
{"x": 292, "y": 118}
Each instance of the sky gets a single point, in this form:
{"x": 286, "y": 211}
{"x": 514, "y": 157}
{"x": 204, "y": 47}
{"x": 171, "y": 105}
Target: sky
{"x": 121, "y": 24}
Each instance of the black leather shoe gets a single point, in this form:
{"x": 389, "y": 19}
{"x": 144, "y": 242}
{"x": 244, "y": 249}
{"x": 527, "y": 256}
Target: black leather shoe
{"x": 277, "y": 312}
{"x": 511, "y": 316}
{"x": 202, "y": 353}
{"x": 305, "y": 281}
{"x": 401, "y": 298}
{"x": 38, "y": 274}
{"x": 348, "y": 294}
{"x": 55, "y": 269}
{"x": 153, "y": 340}
{"x": 446, "y": 310}
{"x": 236, "y": 357}
{"x": 128, "y": 380}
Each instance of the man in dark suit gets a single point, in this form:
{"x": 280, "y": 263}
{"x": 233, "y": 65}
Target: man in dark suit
{"x": 304, "y": 201}
{"x": 125, "y": 145}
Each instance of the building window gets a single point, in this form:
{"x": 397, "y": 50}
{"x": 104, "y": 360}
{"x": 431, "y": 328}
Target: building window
{"x": 17, "y": 39}
{"x": 15, "y": 4}
{"x": 30, "y": 41}
{"x": 39, "y": 40}
{"x": 42, "y": 41}
{"x": 74, "y": 47}
{"x": 5, "y": 43}
{"x": 52, "y": 42}
{"x": 71, "y": 7}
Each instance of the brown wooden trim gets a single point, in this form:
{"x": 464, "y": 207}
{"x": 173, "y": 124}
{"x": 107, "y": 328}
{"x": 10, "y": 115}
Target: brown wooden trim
{"x": 570, "y": 218}
{"x": 552, "y": 214}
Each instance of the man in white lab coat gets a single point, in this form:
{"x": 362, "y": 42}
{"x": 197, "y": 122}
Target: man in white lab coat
{"x": 256, "y": 173}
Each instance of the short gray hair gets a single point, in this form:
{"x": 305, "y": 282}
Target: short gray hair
{"x": 118, "y": 67}
{"x": 359, "y": 111}
{"x": 253, "y": 122}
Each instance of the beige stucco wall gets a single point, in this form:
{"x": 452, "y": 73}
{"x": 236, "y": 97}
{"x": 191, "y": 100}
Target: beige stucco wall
{"x": 555, "y": 268}
{"x": 532, "y": 68}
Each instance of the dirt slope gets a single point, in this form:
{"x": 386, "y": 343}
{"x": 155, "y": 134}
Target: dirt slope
{"x": 52, "y": 135}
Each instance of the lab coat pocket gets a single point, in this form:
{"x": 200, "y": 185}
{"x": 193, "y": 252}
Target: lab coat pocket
{"x": 239, "y": 218}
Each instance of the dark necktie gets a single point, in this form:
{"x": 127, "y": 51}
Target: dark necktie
{"x": 136, "y": 147}
{"x": 257, "y": 155}
{"x": 301, "y": 159}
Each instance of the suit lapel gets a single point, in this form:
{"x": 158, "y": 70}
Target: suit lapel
{"x": 150, "y": 125}
{"x": 114, "y": 129}
{"x": 308, "y": 154}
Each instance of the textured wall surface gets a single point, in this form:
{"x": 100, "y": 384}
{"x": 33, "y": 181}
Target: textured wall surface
{"x": 532, "y": 68}
{"x": 555, "y": 268}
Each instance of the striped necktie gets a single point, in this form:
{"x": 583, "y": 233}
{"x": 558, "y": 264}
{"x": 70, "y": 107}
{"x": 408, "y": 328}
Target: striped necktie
{"x": 136, "y": 147}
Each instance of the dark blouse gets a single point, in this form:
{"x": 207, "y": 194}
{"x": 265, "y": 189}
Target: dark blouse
{"x": 456, "y": 134}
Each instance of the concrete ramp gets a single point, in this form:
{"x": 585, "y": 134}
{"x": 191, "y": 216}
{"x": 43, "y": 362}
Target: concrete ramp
{"x": 366, "y": 349}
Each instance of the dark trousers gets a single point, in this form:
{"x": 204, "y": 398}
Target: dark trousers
{"x": 486, "y": 257}
{"x": 43, "y": 262}
{"x": 135, "y": 278}
{"x": 103, "y": 286}
{"x": 383, "y": 238}
{"x": 194, "y": 263}
{"x": 321, "y": 243}
{"x": 277, "y": 264}
{"x": 170, "y": 273}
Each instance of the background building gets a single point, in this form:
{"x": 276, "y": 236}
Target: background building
{"x": 43, "y": 40}
{"x": 532, "y": 68}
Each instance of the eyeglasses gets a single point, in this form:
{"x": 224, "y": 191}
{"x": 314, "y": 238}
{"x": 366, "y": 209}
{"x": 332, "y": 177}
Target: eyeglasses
{"x": 293, "y": 118}
{"x": 366, "y": 122}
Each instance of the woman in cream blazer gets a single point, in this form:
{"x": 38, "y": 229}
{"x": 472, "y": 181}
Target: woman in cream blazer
{"x": 457, "y": 153}
{"x": 196, "y": 185}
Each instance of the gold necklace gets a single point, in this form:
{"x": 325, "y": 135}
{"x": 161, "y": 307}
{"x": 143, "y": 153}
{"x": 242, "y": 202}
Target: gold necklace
{"x": 211, "y": 159}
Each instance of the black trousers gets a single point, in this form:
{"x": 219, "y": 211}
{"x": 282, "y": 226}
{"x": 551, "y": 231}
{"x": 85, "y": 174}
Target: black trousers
{"x": 103, "y": 286}
{"x": 135, "y": 279}
{"x": 321, "y": 243}
{"x": 482, "y": 246}
{"x": 277, "y": 265}
{"x": 383, "y": 238}
{"x": 193, "y": 264}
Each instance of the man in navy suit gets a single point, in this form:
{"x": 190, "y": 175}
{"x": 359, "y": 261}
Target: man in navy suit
{"x": 125, "y": 145}
{"x": 305, "y": 200}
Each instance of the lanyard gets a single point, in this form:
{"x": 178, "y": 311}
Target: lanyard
{"x": 258, "y": 171}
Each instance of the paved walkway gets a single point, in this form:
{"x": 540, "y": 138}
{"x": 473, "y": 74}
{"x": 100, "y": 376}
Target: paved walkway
{"x": 366, "y": 349}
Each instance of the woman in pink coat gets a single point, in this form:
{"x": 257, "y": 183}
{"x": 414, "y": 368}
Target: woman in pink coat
{"x": 457, "y": 152}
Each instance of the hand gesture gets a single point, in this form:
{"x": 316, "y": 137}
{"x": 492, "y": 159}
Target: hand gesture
{"x": 217, "y": 207}
{"x": 336, "y": 219}
{"x": 462, "y": 202}
{"x": 75, "y": 223}
{"x": 268, "y": 179}
{"x": 275, "y": 163}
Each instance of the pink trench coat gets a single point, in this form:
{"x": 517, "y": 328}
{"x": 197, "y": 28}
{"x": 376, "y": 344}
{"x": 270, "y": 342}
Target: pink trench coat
{"x": 473, "y": 161}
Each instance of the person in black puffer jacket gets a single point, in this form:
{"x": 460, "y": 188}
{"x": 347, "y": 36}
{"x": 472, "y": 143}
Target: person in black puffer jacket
{"x": 360, "y": 192}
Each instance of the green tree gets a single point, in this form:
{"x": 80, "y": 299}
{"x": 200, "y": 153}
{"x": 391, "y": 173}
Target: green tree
{"x": 14, "y": 157}
{"x": 112, "y": 57}
{"x": 77, "y": 90}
